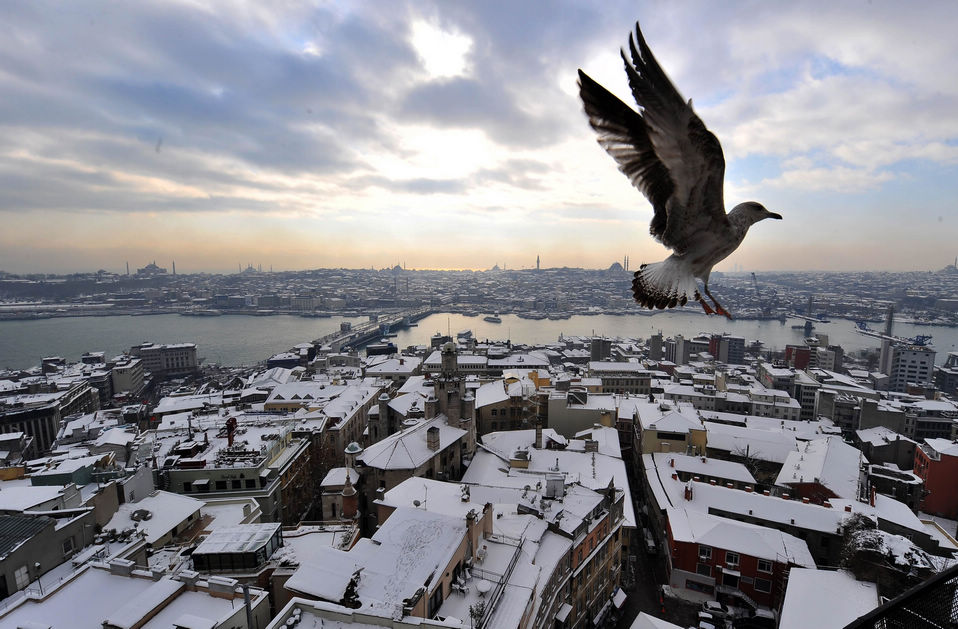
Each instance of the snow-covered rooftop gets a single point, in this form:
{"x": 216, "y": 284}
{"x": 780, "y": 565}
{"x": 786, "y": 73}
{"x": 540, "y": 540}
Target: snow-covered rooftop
{"x": 407, "y": 449}
{"x": 822, "y": 598}
{"x": 829, "y": 462}
{"x": 762, "y": 542}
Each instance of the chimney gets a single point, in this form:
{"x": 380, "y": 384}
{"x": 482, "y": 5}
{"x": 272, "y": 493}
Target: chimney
{"x": 675, "y": 476}
{"x": 712, "y": 481}
{"x": 350, "y": 499}
{"x": 784, "y": 496}
{"x": 729, "y": 485}
{"x": 765, "y": 492}
{"x": 826, "y": 504}
{"x": 848, "y": 508}
{"x": 221, "y": 587}
{"x": 671, "y": 462}
{"x": 805, "y": 501}
{"x": 230, "y": 431}
{"x": 538, "y": 443}
{"x": 432, "y": 438}
{"x": 871, "y": 499}
{"x": 688, "y": 491}
{"x": 748, "y": 489}
{"x": 122, "y": 567}
{"x": 431, "y": 405}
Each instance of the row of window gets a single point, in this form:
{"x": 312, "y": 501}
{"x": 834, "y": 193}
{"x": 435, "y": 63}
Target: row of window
{"x": 731, "y": 559}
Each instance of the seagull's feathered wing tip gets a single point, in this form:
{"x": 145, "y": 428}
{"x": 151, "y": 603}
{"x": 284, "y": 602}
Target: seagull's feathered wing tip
{"x": 665, "y": 284}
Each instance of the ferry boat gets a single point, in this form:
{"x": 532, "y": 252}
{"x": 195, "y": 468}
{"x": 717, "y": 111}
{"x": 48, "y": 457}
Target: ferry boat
{"x": 204, "y": 312}
{"x": 493, "y": 318}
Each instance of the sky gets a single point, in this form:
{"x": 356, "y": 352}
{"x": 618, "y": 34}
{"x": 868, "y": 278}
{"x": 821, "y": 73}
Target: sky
{"x": 437, "y": 134}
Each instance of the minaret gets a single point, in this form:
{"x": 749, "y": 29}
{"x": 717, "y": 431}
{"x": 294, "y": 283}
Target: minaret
{"x": 127, "y": 268}
{"x": 537, "y": 262}
{"x": 174, "y": 268}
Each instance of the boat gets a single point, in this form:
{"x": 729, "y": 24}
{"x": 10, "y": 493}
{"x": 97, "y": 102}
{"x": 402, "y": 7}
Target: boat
{"x": 203, "y": 312}
{"x": 493, "y": 318}
{"x": 470, "y": 313}
{"x": 464, "y": 334}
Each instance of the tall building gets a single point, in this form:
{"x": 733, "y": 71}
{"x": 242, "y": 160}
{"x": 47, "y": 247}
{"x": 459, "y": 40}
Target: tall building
{"x": 906, "y": 363}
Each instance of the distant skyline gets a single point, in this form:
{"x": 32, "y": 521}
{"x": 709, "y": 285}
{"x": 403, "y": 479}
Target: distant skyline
{"x": 450, "y": 135}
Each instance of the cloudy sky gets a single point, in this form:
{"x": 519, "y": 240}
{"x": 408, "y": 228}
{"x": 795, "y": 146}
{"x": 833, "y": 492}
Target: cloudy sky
{"x": 449, "y": 134}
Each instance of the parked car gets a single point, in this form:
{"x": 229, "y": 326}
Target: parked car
{"x": 718, "y": 610}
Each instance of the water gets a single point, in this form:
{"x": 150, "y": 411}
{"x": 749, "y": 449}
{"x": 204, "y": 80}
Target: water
{"x": 228, "y": 339}
{"x": 239, "y": 339}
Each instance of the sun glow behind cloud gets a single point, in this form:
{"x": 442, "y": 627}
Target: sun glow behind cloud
{"x": 444, "y": 54}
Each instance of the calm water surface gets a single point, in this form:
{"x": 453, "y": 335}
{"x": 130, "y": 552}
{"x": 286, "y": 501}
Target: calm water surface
{"x": 240, "y": 339}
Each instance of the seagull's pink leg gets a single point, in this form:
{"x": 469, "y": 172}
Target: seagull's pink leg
{"x": 708, "y": 309}
{"x": 718, "y": 307}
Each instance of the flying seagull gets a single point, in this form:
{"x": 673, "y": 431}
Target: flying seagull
{"x": 668, "y": 154}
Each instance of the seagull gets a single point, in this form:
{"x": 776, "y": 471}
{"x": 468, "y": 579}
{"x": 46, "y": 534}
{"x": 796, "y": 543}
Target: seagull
{"x": 677, "y": 163}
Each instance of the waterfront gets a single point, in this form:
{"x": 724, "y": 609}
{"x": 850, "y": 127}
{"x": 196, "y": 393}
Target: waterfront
{"x": 240, "y": 340}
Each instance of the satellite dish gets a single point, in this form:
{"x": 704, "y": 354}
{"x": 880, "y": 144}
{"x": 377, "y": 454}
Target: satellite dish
{"x": 416, "y": 503}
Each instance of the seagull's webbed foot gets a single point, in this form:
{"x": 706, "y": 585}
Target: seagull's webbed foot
{"x": 718, "y": 307}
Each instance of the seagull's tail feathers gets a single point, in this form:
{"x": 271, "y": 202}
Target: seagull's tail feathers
{"x": 664, "y": 284}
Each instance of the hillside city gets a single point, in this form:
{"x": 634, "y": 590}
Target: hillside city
{"x": 534, "y": 292}
{"x": 600, "y": 481}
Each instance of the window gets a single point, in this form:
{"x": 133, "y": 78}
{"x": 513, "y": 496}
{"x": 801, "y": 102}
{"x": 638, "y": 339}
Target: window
{"x": 731, "y": 559}
{"x": 764, "y": 565}
{"x": 705, "y": 553}
{"x": 763, "y": 585}
{"x": 22, "y": 576}
{"x": 220, "y": 484}
{"x": 703, "y": 569}
{"x": 68, "y": 547}
{"x": 187, "y": 488}
{"x": 695, "y": 586}
{"x": 250, "y": 483}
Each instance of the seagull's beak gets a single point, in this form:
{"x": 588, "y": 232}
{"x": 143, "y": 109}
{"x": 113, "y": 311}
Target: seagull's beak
{"x": 774, "y": 215}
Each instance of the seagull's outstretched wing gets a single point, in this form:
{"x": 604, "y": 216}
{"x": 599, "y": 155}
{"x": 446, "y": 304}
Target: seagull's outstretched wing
{"x": 665, "y": 150}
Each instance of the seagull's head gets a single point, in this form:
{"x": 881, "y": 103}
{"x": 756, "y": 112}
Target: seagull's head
{"x": 753, "y": 212}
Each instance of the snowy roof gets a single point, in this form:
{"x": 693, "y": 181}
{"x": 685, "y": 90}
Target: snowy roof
{"x": 645, "y": 621}
{"x": 822, "y": 598}
{"x": 402, "y": 404}
{"x": 829, "y": 462}
{"x": 491, "y": 393}
{"x": 22, "y": 498}
{"x": 879, "y": 436}
{"x": 943, "y": 446}
{"x": 402, "y": 364}
{"x": 706, "y": 467}
{"x": 95, "y": 595}
{"x": 407, "y": 550}
{"x": 749, "y": 539}
{"x": 337, "y": 477}
{"x": 592, "y": 470}
{"x": 167, "y": 511}
{"x": 407, "y": 449}
{"x": 667, "y": 416}
{"x": 772, "y": 445}
{"x": 668, "y": 492}
{"x": 116, "y": 437}
{"x": 417, "y": 384}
